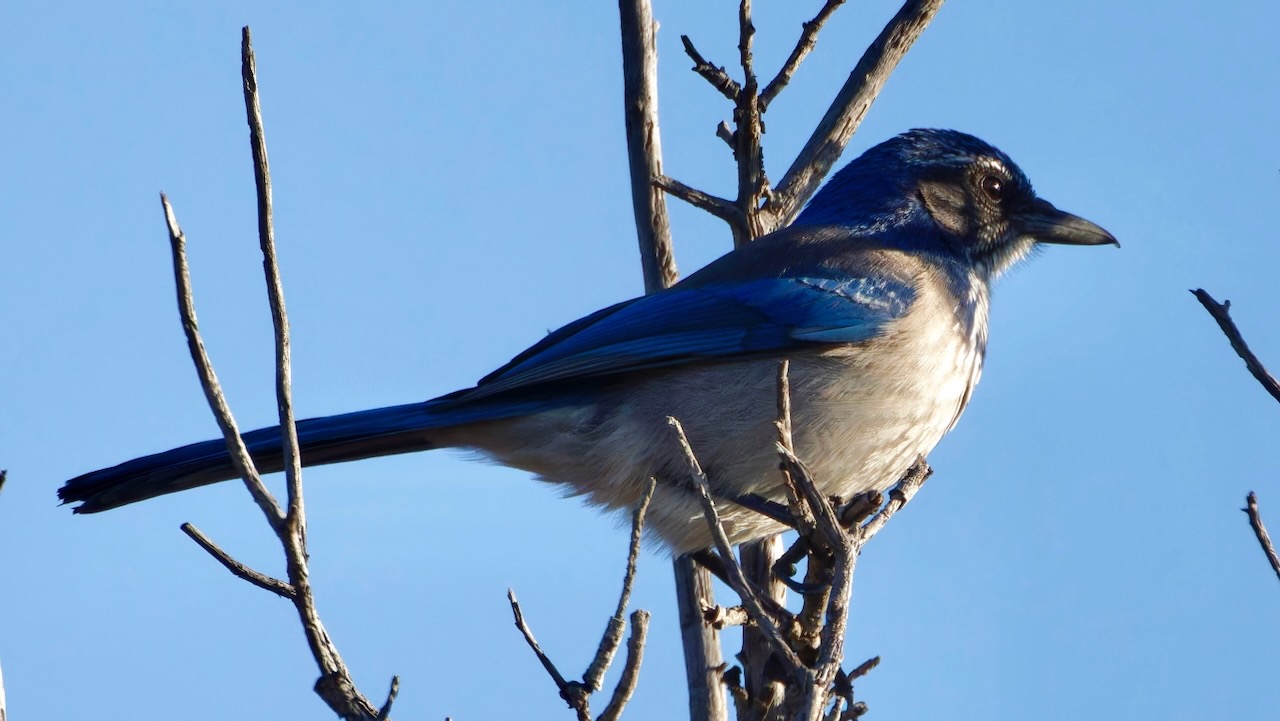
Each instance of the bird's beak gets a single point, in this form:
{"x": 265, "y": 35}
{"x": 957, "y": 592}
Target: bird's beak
{"x": 1047, "y": 224}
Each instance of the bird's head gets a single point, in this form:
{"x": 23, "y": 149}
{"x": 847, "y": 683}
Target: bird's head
{"x": 975, "y": 196}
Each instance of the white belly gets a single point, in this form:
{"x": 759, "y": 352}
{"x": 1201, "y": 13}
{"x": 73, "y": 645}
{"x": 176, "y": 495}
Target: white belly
{"x": 861, "y": 414}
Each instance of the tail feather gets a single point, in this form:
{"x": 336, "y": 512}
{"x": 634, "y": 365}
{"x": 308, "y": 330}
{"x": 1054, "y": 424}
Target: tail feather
{"x": 347, "y": 437}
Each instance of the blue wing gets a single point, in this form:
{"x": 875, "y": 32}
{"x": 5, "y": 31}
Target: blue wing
{"x": 768, "y": 316}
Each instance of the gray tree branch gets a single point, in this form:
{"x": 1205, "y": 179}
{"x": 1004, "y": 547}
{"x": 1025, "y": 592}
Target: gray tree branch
{"x": 644, "y": 151}
{"x": 844, "y": 116}
{"x": 1259, "y": 530}
{"x": 644, "y": 142}
{"x": 335, "y": 685}
{"x": 1221, "y": 313}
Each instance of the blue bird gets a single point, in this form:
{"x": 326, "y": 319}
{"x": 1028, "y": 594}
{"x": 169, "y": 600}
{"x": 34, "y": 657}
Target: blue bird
{"x": 878, "y": 295}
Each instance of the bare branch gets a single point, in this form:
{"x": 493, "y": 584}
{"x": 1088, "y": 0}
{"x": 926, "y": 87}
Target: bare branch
{"x": 630, "y": 670}
{"x": 612, "y": 638}
{"x": 808, "y": 39}
{"x": 209, "y": 380}
{"x": 725, "y": 133}
{"x": 335, "y": 685}
{"x": 1221, "y": 312}
{"x": 746, "y": 36}
{"x": 736, "y": 578}
{"x": 573, "y": 693}
{"x": 713, "y": 74}
{"x": 1259, "y": 530}
{"x": 847, "y": 110}
{"x": 644, "y": 142}
{"x": 275, "y": 289}
{"x": 719, "y": 207}
{"x": 702, "y": 657}
{"x": 238, "y": 569}
{"x": 864, "y": 668}
{"x": 385, "y": 712}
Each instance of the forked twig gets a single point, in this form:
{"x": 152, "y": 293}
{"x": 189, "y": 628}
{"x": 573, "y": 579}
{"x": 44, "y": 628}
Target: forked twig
{"x": 578, "y": 693}
{"x": 335, "y": 685}
{"x": 238, "y": 569}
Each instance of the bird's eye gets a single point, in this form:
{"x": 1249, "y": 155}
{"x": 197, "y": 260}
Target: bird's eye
{"x": 992, "y": 187}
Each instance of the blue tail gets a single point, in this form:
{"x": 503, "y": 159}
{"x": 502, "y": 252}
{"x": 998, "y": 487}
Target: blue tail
{"x": 333, "y": 439}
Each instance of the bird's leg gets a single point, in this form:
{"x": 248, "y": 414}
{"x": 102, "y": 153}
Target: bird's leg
{"x": 785, "y": 569}
{"x": 712, "y": 562}
{"x": 772, "y": 510}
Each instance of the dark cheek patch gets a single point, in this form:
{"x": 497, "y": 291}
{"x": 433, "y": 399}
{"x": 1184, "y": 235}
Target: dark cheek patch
{"x": 948, "y": 206}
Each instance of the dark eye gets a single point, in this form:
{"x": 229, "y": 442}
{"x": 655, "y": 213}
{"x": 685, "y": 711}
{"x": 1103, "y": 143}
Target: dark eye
{"x": 992, "y": 187}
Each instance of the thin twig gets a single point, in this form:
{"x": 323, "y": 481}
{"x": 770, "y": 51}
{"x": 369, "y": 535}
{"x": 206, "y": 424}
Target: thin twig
{"x": 209, "y": 379}
{"x": 275, "y": 288}
{"x": 719, "y": 207}
{"x": 734, "y": 571}
{"x": 644, "y": 142}
{"x": 749, "y": 127}
{"x": 573, "y": 693}
{"x": 847, "y": 110}
{"x": 630, "y": 669}
{"x": 713, "y": 74}
{"x": 808, "y": 39}
{"x": 1259, "y": 530}
{"x": 864, "y": 668}
{"x": 238, "y": 569}
{"x": 385, "y": 712}
{"x": 803, "y": 515}
{"x": 1221, "y": 312}
{"x": 335, "y": 685}
{"x": 746, "y": 36}
{"x": 612, "y": 639}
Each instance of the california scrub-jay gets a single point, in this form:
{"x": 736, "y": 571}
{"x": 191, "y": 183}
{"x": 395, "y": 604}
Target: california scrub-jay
{"x": 877, "y": 294}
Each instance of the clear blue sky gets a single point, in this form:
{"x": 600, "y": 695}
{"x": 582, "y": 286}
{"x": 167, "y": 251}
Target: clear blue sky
{"x": 450, "y": 183}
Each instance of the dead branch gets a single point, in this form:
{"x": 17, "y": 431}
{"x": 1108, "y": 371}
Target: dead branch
{"x": 713, "y": 74}
{"x": 844, "y": 116}
{"x": 808, "y": 40}
{"x": 612, "y": 638}
{"x": 1221, "y": 312}
{"x": 630, "y": 669}
{"x": 335, "y": 685}
{"x": 750, "y": 599}
{"x": 719, "y": 207}
{"x": 644, "y": 151}
{"x": 644, "y": 142}
{"x": 1259, "y": 530}
{"x": 238, "y": 569}
{"x": 578, "y": 693}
